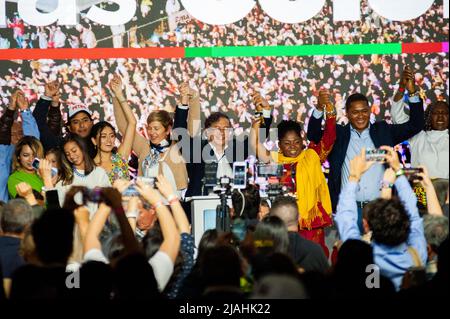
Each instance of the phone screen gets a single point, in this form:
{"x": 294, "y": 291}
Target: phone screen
{"x": 240, "y": 175}
{"x": 376, "y": 155}
{"x": 35, "y": 163}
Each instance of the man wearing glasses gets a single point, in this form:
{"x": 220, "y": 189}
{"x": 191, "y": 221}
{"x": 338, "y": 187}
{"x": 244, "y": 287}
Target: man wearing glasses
{"x": 213, "y": 148}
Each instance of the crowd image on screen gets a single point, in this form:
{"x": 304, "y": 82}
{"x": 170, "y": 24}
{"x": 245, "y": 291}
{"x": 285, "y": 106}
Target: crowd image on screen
{"x": 106, "y": 164}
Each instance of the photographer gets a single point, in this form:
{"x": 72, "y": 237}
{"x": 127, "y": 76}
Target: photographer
{"x": 162, "y": 262}
{"x": 246, "y": 204}
{"x": 398, "y": 239}
{"x": 153, "y": 240}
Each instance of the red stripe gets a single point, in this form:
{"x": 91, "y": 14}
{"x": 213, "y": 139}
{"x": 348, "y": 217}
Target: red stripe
{"x": 412, "y": 48}
{"x": 92, "y": 54}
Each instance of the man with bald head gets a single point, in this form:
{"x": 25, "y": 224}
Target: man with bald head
{"x": 307, "y": 255}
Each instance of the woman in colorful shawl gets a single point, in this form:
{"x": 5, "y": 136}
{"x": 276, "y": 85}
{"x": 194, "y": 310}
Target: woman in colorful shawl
{"x": 303, "y": 167}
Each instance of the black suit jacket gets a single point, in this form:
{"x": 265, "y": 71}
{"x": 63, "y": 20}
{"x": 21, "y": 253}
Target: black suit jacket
{"x": 381, "y": 133}
{"x": 200, "y": 152}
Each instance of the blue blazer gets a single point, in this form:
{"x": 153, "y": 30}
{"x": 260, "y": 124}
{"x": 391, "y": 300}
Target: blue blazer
{"x": 381, "y": 133}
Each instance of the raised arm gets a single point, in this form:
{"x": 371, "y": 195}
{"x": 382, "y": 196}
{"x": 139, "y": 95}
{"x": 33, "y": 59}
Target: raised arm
{"x": 433, "y": 205}
{"x": 389, "y": 178}
{"x": 29, "y": 125}
{"x": 347, "y": 211}
{"x": 54, "y": 120}
{"x": 82, "y": 221}
{"x": 132, "y": 212}
{"x": 194, "y": 119}
{"x": 171, "y": 241}
{"x": 95, "y": 227}
{"x": 416, "y": 123}
{"x": 48, "y": 116}
{"x": 256, "y": 144}
{"x": 130, "y": 131}
{"x": 113, "y": 198}
{"x": 398, "y": 108}
{"x": 178, "y": 212}
{"x": 140, "y": 144}
{"x": 324, "y": 147}
{"x": 7, "y": 120}
{"x": 416, "y": 236}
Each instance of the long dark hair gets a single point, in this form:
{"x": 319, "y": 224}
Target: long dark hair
{"x": 96, "y": 131}
{"x": 63, "y": 167}
{"x": 89, "y": 164}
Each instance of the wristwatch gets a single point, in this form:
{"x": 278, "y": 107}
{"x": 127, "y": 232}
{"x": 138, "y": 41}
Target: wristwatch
{"x": 331, "y": 114}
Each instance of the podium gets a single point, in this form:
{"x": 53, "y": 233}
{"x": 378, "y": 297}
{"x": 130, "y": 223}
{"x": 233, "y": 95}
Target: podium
{"x": 203, "y": 214}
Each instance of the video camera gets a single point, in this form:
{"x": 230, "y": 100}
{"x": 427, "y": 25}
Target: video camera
{"x": 268, "y": 177}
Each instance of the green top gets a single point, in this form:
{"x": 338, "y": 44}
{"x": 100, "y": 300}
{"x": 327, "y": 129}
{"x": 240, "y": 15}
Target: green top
{"x": 18, "y": 177}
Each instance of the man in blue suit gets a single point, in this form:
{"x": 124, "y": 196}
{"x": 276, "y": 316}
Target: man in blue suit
{"x": 359, "y": 134}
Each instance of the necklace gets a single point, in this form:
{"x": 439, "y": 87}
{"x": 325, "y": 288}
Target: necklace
{"x": 76, "y": 172}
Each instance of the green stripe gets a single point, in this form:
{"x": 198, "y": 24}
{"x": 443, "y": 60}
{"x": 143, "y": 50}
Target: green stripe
{"x": 303, "y": 50}
{"x": 198, "y": 52}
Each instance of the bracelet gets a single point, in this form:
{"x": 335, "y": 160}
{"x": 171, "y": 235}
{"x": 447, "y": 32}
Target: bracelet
{"x": 132, "y": 214}
{"x": 400, "y": 172}
{"x": 122, "y": 101}
{"x": 401, "y": 90}
{"x": 386, "y": 185}
{"x": 173, "y": 201}
{"x": 171, "y": 197}
{"x": 157, "y": 205}
{"x": 331, "y": 114}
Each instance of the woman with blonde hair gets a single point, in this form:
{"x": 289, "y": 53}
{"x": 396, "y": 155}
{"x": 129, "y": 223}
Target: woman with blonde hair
{"x": 159, "y": 154}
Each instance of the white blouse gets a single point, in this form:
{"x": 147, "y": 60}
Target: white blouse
{"x": 97, "y": 178}
{"x": 431, "y": 150}
{"x": 428, "y": 148}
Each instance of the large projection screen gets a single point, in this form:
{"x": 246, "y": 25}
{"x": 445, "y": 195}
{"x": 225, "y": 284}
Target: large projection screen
{"x": 163, "y": 45}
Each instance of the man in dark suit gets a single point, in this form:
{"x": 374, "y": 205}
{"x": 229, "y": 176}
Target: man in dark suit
{"x": 359, "y": 134}
{"x": 215, "y": 145}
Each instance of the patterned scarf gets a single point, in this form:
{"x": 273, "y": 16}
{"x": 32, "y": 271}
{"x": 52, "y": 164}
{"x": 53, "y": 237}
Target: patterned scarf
{"x": 311, "y": 186}
{"x": 154, "y": 156}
